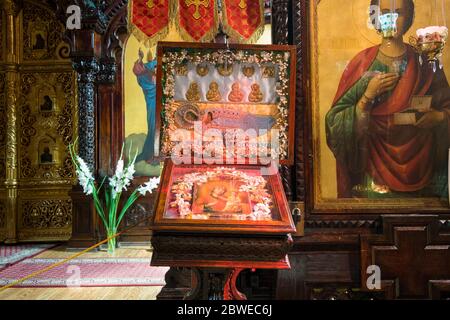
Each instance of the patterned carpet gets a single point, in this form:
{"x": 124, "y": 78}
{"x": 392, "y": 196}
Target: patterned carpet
{"x": 13, "y": 253}
{"x": 90, "y": 270}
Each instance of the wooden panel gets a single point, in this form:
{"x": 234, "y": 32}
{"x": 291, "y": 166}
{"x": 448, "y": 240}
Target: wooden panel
{"x": 44, "y": 215}
{"x": 315, "y": 269}
{"x": 410, "y": 253}
{"x": 83, "y": 224}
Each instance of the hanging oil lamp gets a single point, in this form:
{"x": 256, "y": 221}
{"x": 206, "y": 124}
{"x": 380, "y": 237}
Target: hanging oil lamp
{"x": 430, "y": 41}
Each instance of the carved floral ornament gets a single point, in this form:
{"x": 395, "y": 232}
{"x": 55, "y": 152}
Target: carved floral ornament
{"x": 43, "y": 35}
{"x": 12, "y": 7}
{"x": 47, "y": 123}
{"x": 47, "y": 214}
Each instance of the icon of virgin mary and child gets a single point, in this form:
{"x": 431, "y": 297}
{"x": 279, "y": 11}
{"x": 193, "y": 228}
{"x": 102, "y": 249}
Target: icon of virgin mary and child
{"x": 220, "y": 197}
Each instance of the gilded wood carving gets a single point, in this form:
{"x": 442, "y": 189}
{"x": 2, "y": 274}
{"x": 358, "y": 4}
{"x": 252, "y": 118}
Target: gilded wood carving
{"x": 38, "y": 118}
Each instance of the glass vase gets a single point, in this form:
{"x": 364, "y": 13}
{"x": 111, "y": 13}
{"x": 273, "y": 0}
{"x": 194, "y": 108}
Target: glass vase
{"x": 111, "y": 241}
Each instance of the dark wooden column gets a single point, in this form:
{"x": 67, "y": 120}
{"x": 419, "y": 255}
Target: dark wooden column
{"x": 86, "y": 54}
{"x": 84, "y": 221}
{"x": 107, "y": 124}
{"x": 281, "y": 35}
{"x": 299, "y": 35}
{"x": 87, "y": 69}
{"x": 110, "y": 89}
{"x": 281, "y": 21}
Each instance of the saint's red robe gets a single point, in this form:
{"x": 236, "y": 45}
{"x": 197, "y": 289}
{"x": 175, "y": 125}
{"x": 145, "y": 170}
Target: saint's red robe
{"x": 400, "y": 157}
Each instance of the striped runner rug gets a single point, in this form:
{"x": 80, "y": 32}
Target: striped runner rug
{"x": 10, "y": 254}
{"x": 89, "y": 272}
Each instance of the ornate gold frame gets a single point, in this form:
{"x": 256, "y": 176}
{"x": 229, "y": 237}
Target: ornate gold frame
{"x": 172, "y": 54}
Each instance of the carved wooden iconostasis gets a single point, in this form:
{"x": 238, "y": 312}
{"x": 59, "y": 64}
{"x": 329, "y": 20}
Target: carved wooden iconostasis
{"x": 37, "y": 122}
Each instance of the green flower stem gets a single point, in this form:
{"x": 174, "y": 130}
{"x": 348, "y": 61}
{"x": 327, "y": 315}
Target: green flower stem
{"x": 98, "y": 205}
{"x": 133, "y": 197}
{"x": 111, "y": 233}
{"x": 107, "y": 209}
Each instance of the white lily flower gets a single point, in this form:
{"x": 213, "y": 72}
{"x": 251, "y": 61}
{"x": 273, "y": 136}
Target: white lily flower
{"x": 119, "y": 168}
{"x": 84, "y": 176}
{"x": 149, "y": 186}
{"x": 122, "y": 178}
{"x": 85, "y": 182}
{"x": 129, "y": 172}
{"x": 115, "y": 185}
{"x": 83, "y": 167}
{"x": 128, "y": 176}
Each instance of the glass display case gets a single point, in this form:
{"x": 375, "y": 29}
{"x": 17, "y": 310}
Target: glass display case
{"x": 226, "y": 125}
{"x": 217, "y": 197}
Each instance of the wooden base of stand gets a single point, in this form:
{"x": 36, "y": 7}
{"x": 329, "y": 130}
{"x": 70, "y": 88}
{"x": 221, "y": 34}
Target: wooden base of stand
{"x": 215, "y": 261}
{"x": 215, "y": 284}
{"x": 178, "y": 284}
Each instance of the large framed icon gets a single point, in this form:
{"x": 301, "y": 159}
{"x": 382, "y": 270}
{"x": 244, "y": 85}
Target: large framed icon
{"x": 380, "y": 111}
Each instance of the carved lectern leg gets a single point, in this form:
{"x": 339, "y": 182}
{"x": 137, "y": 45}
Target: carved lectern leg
{"x": 215, "y": 284}
{"x": 178, "y": 283}
{"x": 196, "y": 285}
{"x": 230, "y": 291}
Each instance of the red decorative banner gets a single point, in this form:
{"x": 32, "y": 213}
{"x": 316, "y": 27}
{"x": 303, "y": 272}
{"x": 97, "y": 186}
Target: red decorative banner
{"x": 243, "y": 20}
{"x": 149, "y": 19}
{"x": 197, "y": 20}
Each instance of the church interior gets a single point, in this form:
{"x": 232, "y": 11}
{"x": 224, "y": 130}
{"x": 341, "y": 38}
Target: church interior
{"x": 224, "y": 150}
